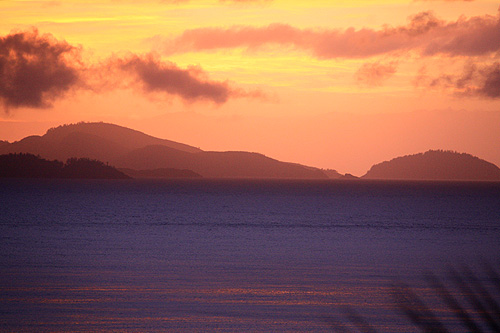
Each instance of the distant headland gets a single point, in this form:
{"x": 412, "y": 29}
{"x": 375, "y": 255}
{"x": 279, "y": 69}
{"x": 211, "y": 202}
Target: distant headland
{"x": 137, "y": 155}
{"x": 141, "y": 155}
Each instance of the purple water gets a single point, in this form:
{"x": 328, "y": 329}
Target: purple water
{"x": 206, "y": 255}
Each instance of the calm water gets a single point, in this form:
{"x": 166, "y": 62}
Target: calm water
{"x": 235, "y": 255}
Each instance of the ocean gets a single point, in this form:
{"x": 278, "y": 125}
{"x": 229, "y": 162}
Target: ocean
{"x": 244, "y": 255}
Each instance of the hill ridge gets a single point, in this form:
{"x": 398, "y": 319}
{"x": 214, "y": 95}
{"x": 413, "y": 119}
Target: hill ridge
{"x": 128, "y": 148}
{"x": 113, "y": 131}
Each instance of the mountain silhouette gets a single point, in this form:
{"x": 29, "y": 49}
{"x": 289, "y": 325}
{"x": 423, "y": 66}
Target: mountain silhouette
{"x": 332, "y": 174}
{"x": 101, "y": 141}
{"x": 216, "y": 164}
{"x": 435, "y": 165}
{"x": 126, "y": 137}
{"x": 31, "y": 166}
{"x": 129, "y": 149}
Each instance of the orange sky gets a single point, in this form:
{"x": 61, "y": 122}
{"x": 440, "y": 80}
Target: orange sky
{"x": 331, "y": 84}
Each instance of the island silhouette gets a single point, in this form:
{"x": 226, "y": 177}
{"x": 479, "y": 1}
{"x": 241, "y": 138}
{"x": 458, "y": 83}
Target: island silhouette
{"x": 435, "y": 165}
{"x": 30, "y": 166}
{"x": 139, "y": 155}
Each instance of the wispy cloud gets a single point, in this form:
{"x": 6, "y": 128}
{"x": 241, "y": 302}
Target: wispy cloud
{"x": 157, "y": 76}
{"x": 475, "y": 80}
{"x": 220, "y": 1}
{"x": 245, "y": 1}
{"x": 424, "y": 33}
{"x": 443, "y": 0}
{"x": 373, "y": 74}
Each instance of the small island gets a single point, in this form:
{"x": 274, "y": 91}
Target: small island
{"x": 435, "y": 165}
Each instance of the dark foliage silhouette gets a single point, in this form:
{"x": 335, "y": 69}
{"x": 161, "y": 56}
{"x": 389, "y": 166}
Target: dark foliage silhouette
{"x": 87, "y": 168}
{"x": 31, "y": 166}
{"x": 160, "y": 173}
{"x": 473, "y": 302}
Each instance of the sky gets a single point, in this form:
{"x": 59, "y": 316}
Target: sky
{"x": 333, "y": 84}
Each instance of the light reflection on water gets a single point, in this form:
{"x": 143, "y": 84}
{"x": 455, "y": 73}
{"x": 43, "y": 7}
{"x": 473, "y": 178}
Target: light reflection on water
{"x": 232, "y": 256}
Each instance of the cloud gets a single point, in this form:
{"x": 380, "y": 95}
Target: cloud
{"x": 467, "y": 37}
{"x": 373, "y": 74}
{"x": 191, "y": 84}
{"x": 221, "y": 1}
{"x": 479, "y": 81}
{"x": 491, "y": 84}
{"x": 424, "y": 34}
{"x": 155, "y": 75}
{"x": 443, "y": 0}
{"x": 246, "y": 1}
{"x": 35, "y": 69}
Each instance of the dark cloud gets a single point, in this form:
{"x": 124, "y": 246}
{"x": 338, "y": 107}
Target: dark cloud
{"x": 424, "y": 34}
{"x": 373, "y": 74}
{"x": 491, "y": 84}
{"x": 157, "y": 76}
{"x": 467, "y": 37}
{"x": 35, "y": 69}
{"x": 479, "y": 81}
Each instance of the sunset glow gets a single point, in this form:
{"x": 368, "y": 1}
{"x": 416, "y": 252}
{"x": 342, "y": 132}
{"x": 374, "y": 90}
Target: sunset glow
{"x": 330, "y": 84}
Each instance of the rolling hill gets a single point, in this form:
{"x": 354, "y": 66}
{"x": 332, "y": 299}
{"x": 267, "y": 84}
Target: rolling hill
{"x": 216, "y": 164}
{"x": 129, "y": 149}
{"x": 100, "y": 141}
